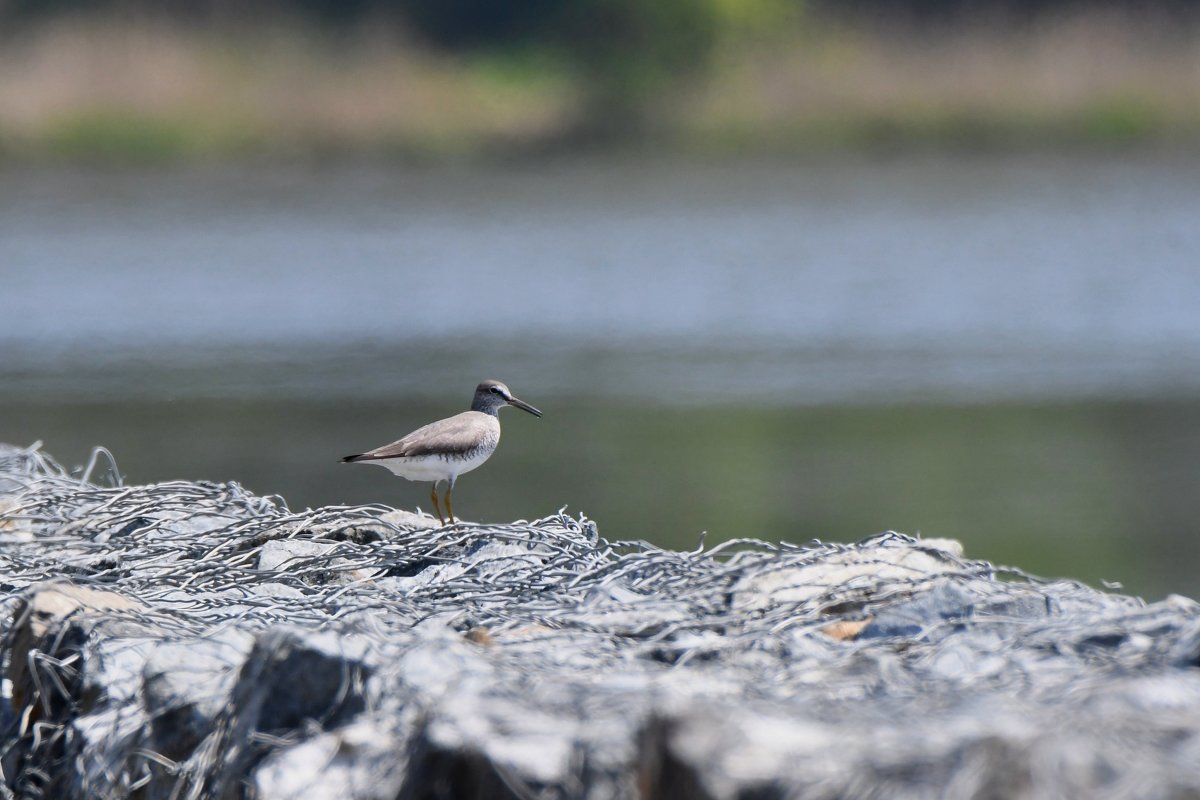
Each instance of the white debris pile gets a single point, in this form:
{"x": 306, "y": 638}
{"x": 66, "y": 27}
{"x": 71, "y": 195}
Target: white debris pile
{"x": 192, "y": 640}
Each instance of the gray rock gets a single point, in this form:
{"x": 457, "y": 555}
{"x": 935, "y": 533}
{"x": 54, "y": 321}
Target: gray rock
{"x": 225, "y": 646}
{"x": 314, "y": 561}
{"x": 291, "y": 684}
{"x": 361, "y": 761}
{"x": 888, "y": 560}
{"x": 186, "y": 685}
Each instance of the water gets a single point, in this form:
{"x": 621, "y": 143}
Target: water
{"x": 1005, "y": 349}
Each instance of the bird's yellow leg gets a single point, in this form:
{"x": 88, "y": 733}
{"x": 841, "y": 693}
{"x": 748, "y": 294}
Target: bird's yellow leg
{"x": 449, "y": 507}
{"x": 436, "y": 507}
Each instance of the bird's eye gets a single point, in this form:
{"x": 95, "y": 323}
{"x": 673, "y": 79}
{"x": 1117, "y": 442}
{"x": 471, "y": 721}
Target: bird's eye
{"x": 495, "y": 390}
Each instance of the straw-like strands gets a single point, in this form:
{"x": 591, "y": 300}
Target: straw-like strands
{"x": 358, "y": 652}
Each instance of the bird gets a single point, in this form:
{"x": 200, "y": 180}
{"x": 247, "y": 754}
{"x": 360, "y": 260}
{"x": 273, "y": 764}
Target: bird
{"x": 443, "y": 450}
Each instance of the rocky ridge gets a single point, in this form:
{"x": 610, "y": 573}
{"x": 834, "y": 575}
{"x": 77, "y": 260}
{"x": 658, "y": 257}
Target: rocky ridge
{"x": 192, "y": 640}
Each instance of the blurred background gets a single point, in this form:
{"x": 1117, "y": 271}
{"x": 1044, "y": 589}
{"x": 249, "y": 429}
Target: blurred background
{"x": 771, "y": 268}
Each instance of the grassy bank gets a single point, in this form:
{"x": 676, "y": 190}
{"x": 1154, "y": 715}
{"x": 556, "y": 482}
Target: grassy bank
{"x": 83, "y": 89}
{"x": 1088, "y": 80}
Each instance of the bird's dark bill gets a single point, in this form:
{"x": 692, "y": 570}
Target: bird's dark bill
{"x": 521, "y": 404}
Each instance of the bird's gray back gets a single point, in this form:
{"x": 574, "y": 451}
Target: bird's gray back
{"x": 455, "y": 436}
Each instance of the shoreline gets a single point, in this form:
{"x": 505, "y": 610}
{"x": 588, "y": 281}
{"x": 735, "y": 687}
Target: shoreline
{"x": 89, "y": 140}
{"x": 79, "y": 90}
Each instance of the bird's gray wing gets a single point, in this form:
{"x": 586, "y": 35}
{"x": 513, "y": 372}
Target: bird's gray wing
{"x": 457, "y": 434}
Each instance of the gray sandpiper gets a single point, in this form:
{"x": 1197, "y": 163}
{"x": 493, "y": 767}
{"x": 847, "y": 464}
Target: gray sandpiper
{"x": 443, "y": 450}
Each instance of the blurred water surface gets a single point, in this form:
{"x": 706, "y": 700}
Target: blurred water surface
{"x": 1001, "y": 349}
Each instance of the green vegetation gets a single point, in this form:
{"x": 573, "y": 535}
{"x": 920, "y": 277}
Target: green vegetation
{"x": 706, "y": 75}
{"x": 106, "y": 133}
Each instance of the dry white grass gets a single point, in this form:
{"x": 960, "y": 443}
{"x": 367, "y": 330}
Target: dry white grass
{"x": 281, "y": 85}
{"x": 284, "y": 87}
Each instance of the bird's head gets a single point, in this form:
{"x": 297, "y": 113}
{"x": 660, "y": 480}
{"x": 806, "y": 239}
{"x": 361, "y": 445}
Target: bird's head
{"x": 491, "y": 396}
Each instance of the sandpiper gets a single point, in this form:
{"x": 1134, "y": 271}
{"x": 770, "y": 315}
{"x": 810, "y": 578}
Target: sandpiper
{"x": 443, "y": 450}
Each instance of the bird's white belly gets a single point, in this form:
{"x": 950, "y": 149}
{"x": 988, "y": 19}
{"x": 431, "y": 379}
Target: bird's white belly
{"x": 433, "y": 468}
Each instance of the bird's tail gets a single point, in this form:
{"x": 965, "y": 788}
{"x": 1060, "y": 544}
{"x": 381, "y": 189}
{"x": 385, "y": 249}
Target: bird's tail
{"x": 351, "y": 459}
